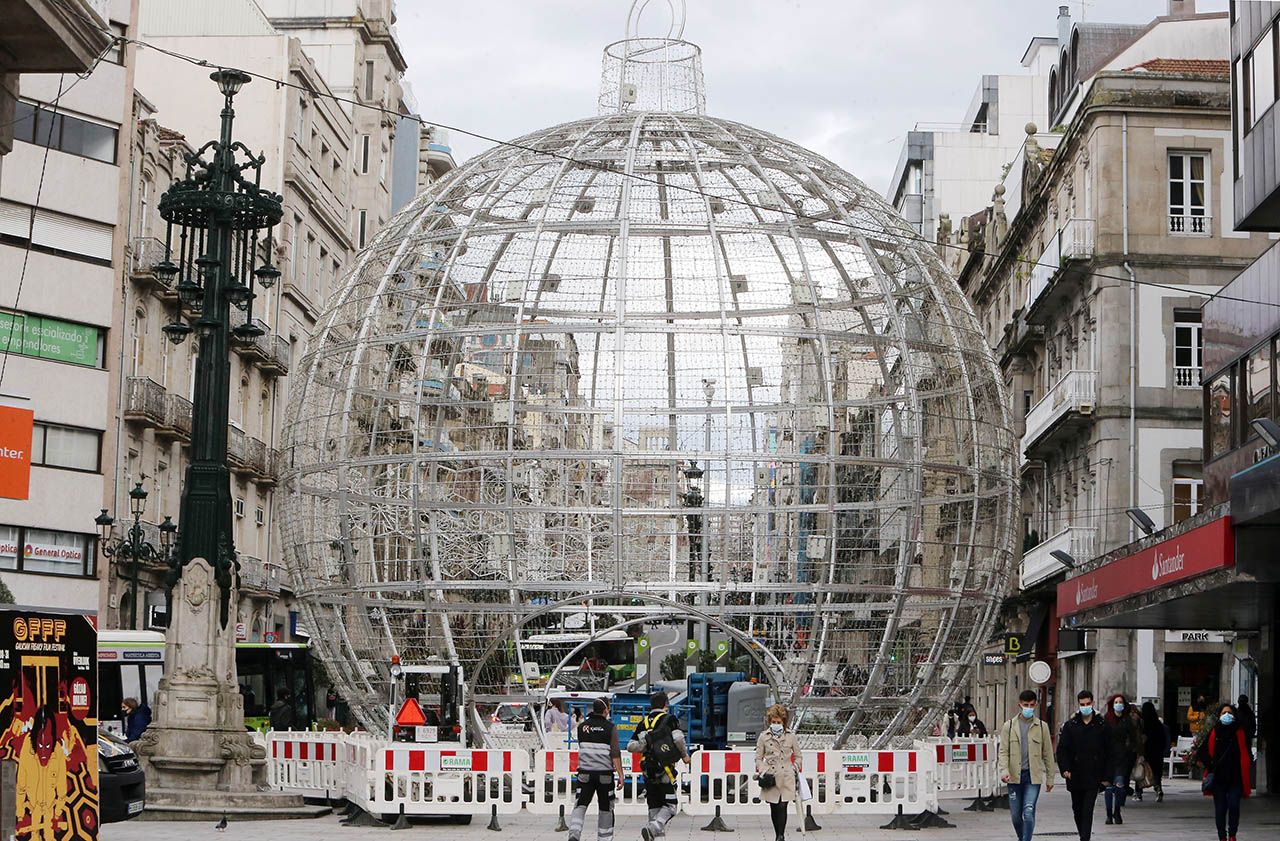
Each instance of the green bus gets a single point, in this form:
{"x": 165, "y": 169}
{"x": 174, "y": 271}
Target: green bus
{"x": 131, "y": 663}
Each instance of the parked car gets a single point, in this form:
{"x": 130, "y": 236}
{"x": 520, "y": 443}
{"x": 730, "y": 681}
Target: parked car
{"x": 122, "y": 790}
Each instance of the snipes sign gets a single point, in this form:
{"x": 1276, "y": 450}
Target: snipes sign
{"x": 1202, "y": 550}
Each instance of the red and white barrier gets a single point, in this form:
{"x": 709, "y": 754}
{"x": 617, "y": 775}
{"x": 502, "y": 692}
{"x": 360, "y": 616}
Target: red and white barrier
{"x": 554, "y": 781}
{"x": 431, "y": 781}
{"x": 966, "y": 767}
{"x": 305, "y": 762}
{"x": 724, "y": 780}
{"x": 875, "y": 782}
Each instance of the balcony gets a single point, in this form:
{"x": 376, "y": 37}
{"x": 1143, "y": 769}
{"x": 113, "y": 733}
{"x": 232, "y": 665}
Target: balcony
{"x": 1038, "y": 564}
{"x": 145, "y": 402}
{"x": 258, "y": 577}
{"x": 1063, "y": 259}
{"x": 1190, "y": 225}
{"x": 270, "y": 352}
{"x": 144, "y": 254}
{"x": 237, "y": 450}
{"x": 1186, "y": 376}
{"x": 1071, "y": 401}
{"x": 261, "y": 462}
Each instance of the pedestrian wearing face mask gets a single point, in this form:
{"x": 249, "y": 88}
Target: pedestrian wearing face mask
{"x": 1226, "y": 759}
{"x": 1126, "y": 740}
{"x": 971, "y": 725}
{"x": 1082, "y": 757}
{"x": 1026, "y": 762}
{"x": 778, "y": 763}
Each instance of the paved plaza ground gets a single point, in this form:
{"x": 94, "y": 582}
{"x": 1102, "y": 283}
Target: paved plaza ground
{"x": 1184, "y": 816}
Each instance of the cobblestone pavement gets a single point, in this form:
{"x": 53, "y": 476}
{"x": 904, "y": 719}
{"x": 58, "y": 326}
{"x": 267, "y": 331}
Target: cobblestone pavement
{"x": 1184, "y": 816}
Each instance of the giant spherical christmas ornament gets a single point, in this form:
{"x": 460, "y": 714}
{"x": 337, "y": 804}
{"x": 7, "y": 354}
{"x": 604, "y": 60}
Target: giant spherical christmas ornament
{"x": 646, "y": 378}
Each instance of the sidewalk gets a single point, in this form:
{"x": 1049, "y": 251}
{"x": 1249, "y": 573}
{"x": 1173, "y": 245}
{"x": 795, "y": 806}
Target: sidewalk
{"x": 1184, "y": 816}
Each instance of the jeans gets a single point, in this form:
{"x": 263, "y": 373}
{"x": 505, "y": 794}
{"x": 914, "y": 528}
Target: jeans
{"x": 1226, "y": 810}
{"x": 1116, "y": 793}
{"x": 1082, "y": 806}
{"x": 1022, "y": 806}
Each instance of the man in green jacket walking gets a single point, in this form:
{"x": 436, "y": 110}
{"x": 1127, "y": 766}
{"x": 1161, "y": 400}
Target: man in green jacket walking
{"x": 1026, "y": 763}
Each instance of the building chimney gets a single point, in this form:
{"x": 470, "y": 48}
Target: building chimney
{"x": 1182, "y": 8}
{"x": 1064, "y": 25}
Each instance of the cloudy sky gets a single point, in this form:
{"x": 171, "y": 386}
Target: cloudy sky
{"x": 846, "y": 78}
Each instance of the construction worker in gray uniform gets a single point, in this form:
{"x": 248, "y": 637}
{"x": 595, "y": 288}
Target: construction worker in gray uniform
{"x": 660, "y": 743}
{"x": 599, "y": 771}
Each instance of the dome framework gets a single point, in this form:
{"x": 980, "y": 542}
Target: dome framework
{"x": 644, "y": 360}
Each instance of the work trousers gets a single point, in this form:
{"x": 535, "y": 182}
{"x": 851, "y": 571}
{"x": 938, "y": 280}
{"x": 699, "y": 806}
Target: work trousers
{"x": 597, "y": 784}
{"x": 660, "y": 797}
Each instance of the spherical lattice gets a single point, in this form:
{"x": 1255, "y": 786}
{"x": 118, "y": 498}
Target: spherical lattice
{"x": 642, "y": 361}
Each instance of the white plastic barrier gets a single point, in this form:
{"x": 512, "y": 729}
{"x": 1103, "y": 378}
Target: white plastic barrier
{"x": 966, "y": 767}
{"x": 554, "y": 783}
{"x": 305, "y": 762}
{"x": 432, "y": 781}
{"x": 723, "y": 779}
{"x": 875, "y": 782}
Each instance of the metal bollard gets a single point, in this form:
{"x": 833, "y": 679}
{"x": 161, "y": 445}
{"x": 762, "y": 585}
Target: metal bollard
{"x": 494, "y": 826}
{"x": 401, "y": 822}
{"x": 562, "y": 826}
{"x": 717, "y": 824}
{"x": 810, "y": 825}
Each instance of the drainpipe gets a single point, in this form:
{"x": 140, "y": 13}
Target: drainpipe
{"x": 1133, "y": 316}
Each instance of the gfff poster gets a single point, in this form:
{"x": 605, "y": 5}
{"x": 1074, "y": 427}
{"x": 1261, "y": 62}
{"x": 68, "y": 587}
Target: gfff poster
{"x": 48, "y": 722}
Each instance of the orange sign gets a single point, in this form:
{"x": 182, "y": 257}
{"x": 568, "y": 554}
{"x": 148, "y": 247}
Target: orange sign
{"x": 411, "y": 714}
{"x": 15, "y": 452}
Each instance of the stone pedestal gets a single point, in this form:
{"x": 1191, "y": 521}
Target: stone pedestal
{"x": 197, "y": 755}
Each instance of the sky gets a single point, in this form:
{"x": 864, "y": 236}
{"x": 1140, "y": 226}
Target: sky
{"x": 846, "y": 78}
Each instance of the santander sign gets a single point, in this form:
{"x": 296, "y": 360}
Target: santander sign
{"x": 1202, "y": 550}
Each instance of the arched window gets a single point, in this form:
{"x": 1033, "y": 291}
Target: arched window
{"x": 1053, "y": 93}
{"x": 1075, "y": 57}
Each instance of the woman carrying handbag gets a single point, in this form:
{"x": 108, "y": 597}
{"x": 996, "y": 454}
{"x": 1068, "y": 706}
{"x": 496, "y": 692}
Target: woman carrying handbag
{"x": 1226, "y": 760}
{"x": 777, "y": 765}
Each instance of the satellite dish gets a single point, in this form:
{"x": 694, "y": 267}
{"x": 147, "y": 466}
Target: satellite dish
{"x": 1039, "y": 672}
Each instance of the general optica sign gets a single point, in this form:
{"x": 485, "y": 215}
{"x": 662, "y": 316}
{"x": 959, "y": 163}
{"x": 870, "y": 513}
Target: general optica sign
{"x": 1202, "y": 550}
{"x": 15, "y": 452}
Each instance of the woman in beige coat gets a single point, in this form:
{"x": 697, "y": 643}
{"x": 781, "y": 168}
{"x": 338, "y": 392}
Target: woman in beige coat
{"x": 778, "y": 753}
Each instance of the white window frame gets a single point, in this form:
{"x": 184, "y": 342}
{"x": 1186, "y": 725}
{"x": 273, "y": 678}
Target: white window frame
{"x": 1183, "y": 218}
{"x": 1185, "y": 376}
{"x": 1197, "y": 495}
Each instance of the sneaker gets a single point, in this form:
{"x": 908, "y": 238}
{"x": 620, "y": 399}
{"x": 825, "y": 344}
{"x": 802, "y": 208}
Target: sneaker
{"x": 646, "y": 833}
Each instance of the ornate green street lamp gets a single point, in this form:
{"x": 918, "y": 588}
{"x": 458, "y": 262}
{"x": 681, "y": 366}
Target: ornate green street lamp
{"x": 134, "y": 546}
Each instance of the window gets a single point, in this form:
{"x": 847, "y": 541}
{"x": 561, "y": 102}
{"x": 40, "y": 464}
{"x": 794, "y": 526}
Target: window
{"x": 360, "y": 231}
{"x": 43, "y": 127}
{"x": 310, "y": 246}
{"x": 303, "y": 120}
{"x": 49, "y": 338}
{"x": 364, "y": 154}
{"x": 368, "y": 80}
{"x": 1188, "y": 490}
{"x": 1188, "y": 344}
{"x": 66, "y": 447}
{"x": 1188, "y": 198}
{"x": 1260, "y": 78}
{"x": 260, "y": 516}
{"x": 115, "y": 52}
{"x": 1218, "y": 412}
{"x": 239, "y": 507}
{"x": 46, "y": 551}
{"x": 1258, "y": 385}
{"x": 59, "y": 233}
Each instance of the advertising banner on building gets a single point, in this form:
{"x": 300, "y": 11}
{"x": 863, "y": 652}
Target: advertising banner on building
{"x": 15, "y": 451}
{"x": 1196, "y": 552}
{"x": 49, "y": 723}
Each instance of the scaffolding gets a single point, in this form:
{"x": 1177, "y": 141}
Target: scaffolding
{"x": 657, "y": 365}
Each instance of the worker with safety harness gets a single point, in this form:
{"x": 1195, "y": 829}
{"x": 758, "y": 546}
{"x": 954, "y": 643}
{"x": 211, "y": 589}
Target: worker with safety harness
{"x": 599, "y": 771}
{"x": 660, "y": 743}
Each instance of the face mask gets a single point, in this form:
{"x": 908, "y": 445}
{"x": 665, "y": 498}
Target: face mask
{"x": 973, "y": 718}
{"x": 1028, "y": 712}
{"x": 776, "y": 728}
{"x": 1118, "y": 706}
{"x": 1226, "y": 718}
{"x": 1086, "y": 711}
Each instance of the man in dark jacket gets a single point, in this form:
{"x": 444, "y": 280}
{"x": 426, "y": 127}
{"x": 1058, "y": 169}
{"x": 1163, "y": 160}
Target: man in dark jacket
{"x": 1082, "y": 759}
{"x": 599, "y": 771}
{"x": 1248, "y": 721}
{"x": 281, "y": 714}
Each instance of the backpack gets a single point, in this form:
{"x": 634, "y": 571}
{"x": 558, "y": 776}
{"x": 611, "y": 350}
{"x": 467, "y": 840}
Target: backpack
{"x": 660, "y": 750}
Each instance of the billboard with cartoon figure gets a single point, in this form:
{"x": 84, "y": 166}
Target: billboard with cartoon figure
{"x": 49, "y": 724}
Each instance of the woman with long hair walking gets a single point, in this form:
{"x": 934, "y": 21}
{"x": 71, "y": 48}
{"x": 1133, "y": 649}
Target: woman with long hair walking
{"x": 1124, "y": 742}
{"x": 1226, "y": 759}
{"x": 777, "y": 765}
{"x": 1155, "y": 747}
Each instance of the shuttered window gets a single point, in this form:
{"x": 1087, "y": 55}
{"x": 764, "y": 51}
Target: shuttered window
{"x": 56, "y": 231}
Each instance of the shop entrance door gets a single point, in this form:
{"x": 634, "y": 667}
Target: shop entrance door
{"x": 1186, "y": 677}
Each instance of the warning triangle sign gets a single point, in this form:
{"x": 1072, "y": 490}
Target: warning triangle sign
{"x": 411, "y": 714}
